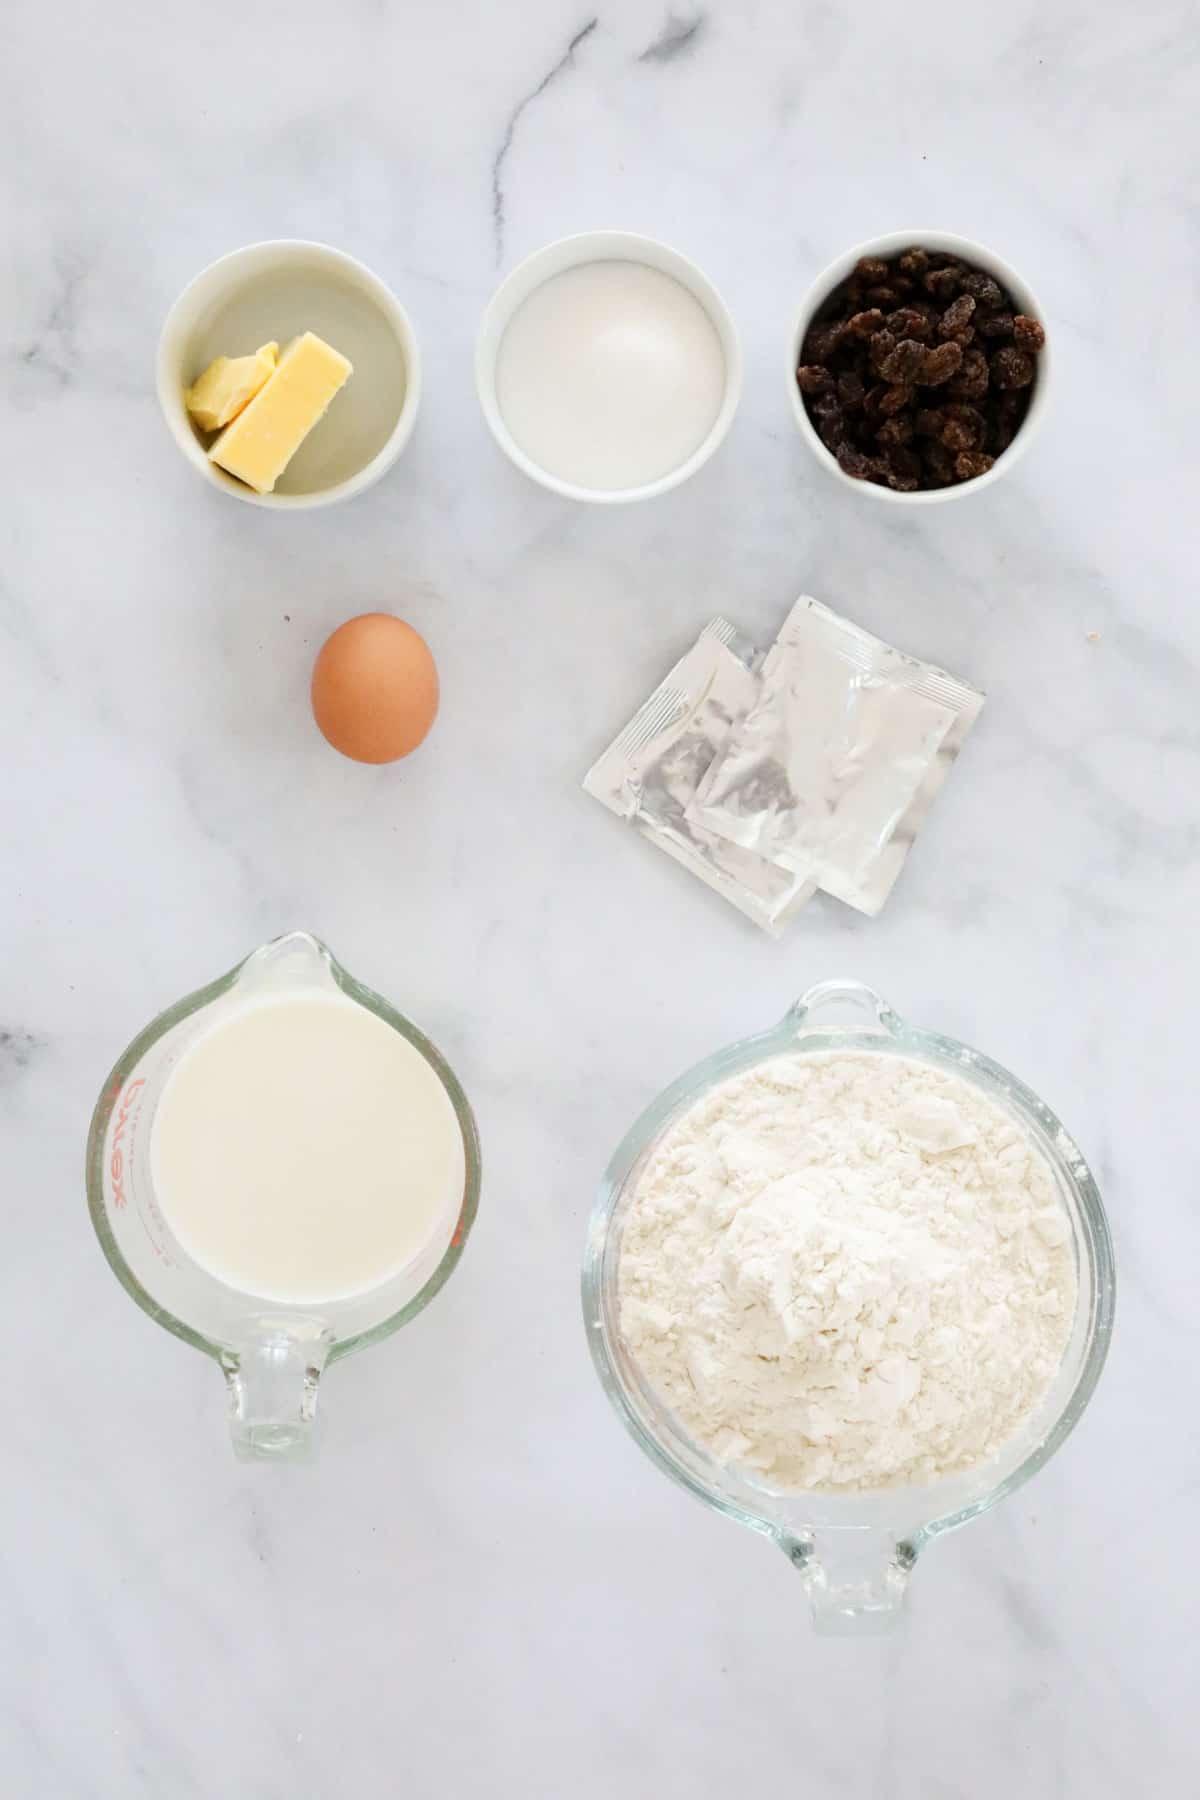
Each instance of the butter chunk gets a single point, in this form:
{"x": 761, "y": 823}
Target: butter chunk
{"x": 259, "y": 444}
{"x": 228, "y": 385}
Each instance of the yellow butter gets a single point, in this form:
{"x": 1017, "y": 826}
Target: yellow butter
{"x": 229, "y": 384}
{"x": 262, "y": 440}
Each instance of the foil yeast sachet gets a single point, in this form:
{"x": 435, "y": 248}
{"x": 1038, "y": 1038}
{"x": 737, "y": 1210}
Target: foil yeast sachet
{"x": 833, "y": 769}
{"x": 651, "y": 773}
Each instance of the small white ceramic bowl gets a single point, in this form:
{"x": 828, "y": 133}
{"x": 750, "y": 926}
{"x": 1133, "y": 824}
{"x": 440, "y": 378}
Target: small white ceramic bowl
{"x": 980, "y": 257}
{"x": 570, "y": 253}
{"x": 278, "y": 290}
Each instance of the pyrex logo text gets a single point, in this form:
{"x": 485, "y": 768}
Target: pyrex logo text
{"x": 116, "y": 1157}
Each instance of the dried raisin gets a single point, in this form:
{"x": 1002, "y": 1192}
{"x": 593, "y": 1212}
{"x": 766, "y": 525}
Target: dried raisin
{"x": 821, "y": 342}
{"x": 943, "y": 283}
{"x": 982, "y": 288}
{"x": 908, "y": 322}
{"x": 1012, "y": 368}
{"x": 939, "y": 463}
{"x": 940, "y": 364}
{"x": 896, "y": 398}
{"x": 851, "y": 391}
{"x": 880, "y": 347}
{"x": 914, "y": 261}
{"x": 831, "y": 421}
{"x": 957, "y": 317}
{"x": 962, "y": 427}
{"x": 1027, "y": 333}
{"x": 863, "y": 324}
{"x": 895, "y": 432}
{"x": 971, "y": 382}
{"x": 996, "y": 325}
{"x": 904, "y": 363}
{"x": 1006, "y": 422}
{"x": 873, "y": 400}
{"x": 969, "y": 463}
{"x": 904, "y": 461}
{"x": 859, "y": 465}
{"x": 811, "y": 378}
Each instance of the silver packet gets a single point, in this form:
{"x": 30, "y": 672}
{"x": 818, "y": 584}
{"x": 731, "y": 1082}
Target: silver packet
{"x": 650, "y": 775}
{"x": 832, "y": 772}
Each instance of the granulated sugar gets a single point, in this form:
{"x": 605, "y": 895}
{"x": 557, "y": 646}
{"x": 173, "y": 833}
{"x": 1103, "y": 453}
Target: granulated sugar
{"x": 848, "y": 1271}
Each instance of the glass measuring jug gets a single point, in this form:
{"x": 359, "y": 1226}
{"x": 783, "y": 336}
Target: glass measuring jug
{"x": 854, "y": 1551}
{"x": 272, "y": 1354}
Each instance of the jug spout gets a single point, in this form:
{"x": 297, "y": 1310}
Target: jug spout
{"x": 855, "y": 1580}
{"x": 272, "y": 1378}
{"x": 298, "y": 960}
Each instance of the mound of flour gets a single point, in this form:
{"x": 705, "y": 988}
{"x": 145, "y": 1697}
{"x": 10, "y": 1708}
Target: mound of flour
{"x": 847, "y": 1271}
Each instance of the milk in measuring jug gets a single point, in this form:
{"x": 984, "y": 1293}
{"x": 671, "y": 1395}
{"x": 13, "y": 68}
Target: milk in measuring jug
{"x": 304, "y": 1151}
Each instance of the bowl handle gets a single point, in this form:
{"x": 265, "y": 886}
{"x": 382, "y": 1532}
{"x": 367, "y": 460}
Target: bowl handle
{"x": 855, "y": 1580}
{"x": 842, "y": 1006}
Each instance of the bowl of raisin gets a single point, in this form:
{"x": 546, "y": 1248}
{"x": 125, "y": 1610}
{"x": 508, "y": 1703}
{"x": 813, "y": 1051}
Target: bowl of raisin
{"x": 918, "y": 369}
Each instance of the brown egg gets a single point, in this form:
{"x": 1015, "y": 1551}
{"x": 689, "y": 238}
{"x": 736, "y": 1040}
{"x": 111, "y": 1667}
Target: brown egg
{"x": 375, "y": 688}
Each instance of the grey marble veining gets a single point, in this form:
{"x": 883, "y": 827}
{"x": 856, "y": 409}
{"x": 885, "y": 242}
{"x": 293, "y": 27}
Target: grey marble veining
{"x": 481, "y": 1587}
{"x": 565, "y": 61}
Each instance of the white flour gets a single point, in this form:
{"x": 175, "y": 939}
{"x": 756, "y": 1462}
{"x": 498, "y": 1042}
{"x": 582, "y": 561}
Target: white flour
{"x": 848, "y": 1271}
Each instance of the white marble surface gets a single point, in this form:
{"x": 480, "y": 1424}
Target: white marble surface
{"x": 481, "y": 1587}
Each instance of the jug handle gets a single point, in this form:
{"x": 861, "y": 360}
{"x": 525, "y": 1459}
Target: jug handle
{"x": 842, "y": 1006}
{"x": 272, "y": 1377}
{"x": 853, "y": 1588}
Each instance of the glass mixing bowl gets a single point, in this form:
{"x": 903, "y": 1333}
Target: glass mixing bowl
{"x": 854, "y": 1551}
